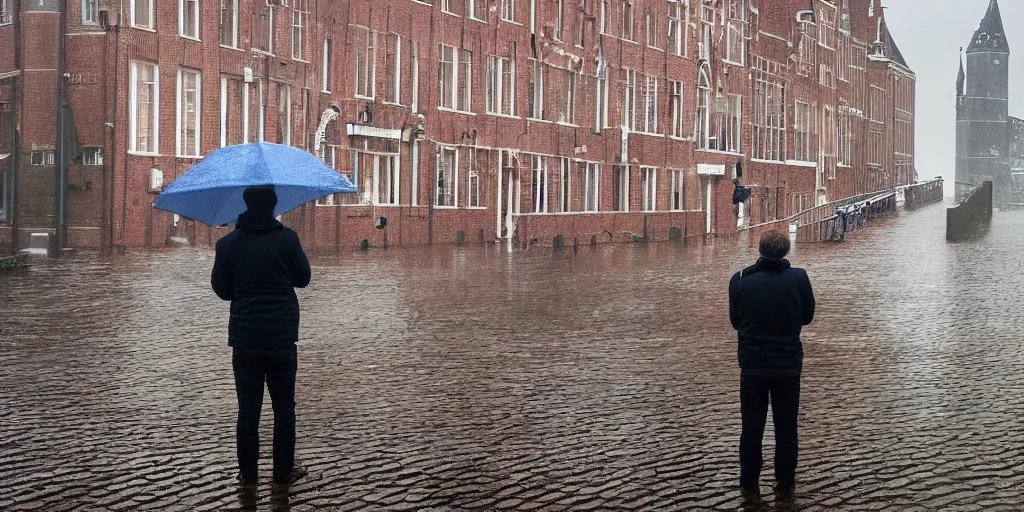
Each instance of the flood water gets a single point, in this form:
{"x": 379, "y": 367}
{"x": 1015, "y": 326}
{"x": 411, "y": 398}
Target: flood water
{"x": 471, "y": 378}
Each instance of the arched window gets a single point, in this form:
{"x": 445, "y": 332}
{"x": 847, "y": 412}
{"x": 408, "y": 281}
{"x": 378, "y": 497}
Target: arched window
{"x": 702, "y": 127}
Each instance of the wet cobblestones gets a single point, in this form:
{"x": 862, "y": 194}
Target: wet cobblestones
{"x": 470, "y": 379}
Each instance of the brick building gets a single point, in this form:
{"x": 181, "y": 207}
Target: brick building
{"x": 473, "y": 120}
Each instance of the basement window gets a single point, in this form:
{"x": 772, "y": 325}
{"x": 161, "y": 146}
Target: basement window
{"x": 92, "y": 156}
{"x": 43, "y": 157}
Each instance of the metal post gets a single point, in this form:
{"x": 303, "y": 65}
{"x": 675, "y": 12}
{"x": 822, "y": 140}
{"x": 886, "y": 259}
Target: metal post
{"x": 62, "y": 164}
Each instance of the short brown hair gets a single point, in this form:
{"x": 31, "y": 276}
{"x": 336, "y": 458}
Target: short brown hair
{"x": 774, "y": 245}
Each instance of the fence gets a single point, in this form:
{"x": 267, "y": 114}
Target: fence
{"x": 923, "y": 194}
{"x": 972, "y": 216}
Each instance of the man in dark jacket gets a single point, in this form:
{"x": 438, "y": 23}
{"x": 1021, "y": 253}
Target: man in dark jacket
{"x": 769, "y": 303}
{"x": 257, "y": 267}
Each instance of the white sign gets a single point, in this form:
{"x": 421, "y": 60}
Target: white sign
{"x": 711, "y": 169}
{"x": 373, "y": 131}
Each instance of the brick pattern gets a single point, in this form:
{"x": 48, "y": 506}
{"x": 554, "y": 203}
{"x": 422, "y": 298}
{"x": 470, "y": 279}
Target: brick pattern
{"x": 287, "y": 96}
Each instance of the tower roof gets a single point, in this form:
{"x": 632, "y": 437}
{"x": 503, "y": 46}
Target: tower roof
{"x": 990, "y": 35}
{"x": 894, "y": 51}
{"x": 960, "y": 77}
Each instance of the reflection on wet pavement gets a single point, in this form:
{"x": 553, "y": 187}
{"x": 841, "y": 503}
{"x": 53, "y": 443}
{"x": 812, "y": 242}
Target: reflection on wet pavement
{"x": 450, "y": 379}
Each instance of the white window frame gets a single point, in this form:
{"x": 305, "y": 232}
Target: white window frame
{"x": 678, "y": 27}
{"x": 441, "y": 151}
{"x": 414, "y": 103}
{"x": 592, "y": 187}
{"x": 559, "y": 19}
{"x": 621, "y": 202}
{"x": 471, "y": 10}
{"x": 300, "y": 22}
{"x": 151, "y": 22}
{"x": 677, "y": 193}
{"x": 567, "y": 109}
{"x": 473, "y": 188}
{"x": 564, "y": 185}
{"x": 539, "y": 72}
{"x": 605, "y": 8}
{"x": 702, "y": 112}
{"x": 651, "y": 111}
{"x": 495, "y": 92}
{"x": 269, "y": 29}
{"x": 677, "y": 95}
{"x": 508, "y": 10}
{"x": 629, "y": 99}
{"x": 736, "y": 32}
{"x": 380, "y": 180}
{"x": 183, "y": 6}
{"x": 649, "y": 189}
{"x": 628, "y": 21}
{"x": 539, "y": 184}
{"x": 90, "y": 14}
{"x": 92, "y": 156}
{"x": 234, "y": 24}
{"x": 133, "y": 94}
{"x": 325, "y": 63}
{"x": 182, "y": 150}
{"x": 224, "y": 102}
{"x": 393, "y": 68}
{"x": 601, "y": 94}
{"x": 366, "y": 57}
{"x": 732, "y": 119}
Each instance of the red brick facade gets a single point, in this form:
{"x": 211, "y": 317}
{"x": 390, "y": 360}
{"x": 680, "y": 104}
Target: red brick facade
{"x": 631, "y": 114}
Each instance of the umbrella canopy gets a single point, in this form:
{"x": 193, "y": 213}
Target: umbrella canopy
{"x": 211, "y": 191}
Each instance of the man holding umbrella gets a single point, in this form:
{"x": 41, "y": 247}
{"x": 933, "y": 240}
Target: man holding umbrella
{"x": 257, "y": 267}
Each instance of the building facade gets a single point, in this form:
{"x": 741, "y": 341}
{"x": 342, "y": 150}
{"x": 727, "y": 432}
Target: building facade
{"x": 458, "y": 120}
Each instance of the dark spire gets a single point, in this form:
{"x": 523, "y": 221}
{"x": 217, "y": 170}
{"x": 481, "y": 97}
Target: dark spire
{"x": 960, "y": 77}
{"x": 894, "y": 51}
{"x": 990, "y": 34}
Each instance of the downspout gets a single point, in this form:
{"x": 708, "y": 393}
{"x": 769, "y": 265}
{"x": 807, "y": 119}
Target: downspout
{"x": 15, "y": 158}
{"x": 62, "y": 165}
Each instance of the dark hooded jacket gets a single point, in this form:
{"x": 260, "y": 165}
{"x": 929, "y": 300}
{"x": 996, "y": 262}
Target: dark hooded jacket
{"x": 769, "y": 303}
{"x": 257, "y": 267}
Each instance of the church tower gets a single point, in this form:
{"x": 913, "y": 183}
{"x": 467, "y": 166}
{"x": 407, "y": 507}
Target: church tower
{"x": 983, "y": 135}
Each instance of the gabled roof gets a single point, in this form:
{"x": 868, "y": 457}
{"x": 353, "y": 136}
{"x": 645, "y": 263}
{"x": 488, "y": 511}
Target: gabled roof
{"x": 990, "y": 34}
{"x": 894, "y": 51}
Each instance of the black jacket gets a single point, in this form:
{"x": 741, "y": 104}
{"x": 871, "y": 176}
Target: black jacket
{"x": 257, "y": 267}
{"x": 769, "y": 303}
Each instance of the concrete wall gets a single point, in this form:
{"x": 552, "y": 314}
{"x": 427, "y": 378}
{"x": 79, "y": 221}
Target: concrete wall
{"x": 972, "y": 216}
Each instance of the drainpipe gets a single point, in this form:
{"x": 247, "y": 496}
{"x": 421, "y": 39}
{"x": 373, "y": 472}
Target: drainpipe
{"x": 62, "y": 169}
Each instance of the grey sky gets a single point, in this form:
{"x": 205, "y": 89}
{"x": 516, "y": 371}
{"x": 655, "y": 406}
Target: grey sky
{"x": 929, "y": 33}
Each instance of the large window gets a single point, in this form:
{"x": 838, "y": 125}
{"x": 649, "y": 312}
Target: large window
{"x": 808, "y": 50}
{"x": 827, "y": 26}
{"x": 649, "y": 188}
{"x": 300, "y": 18}
{"x": 142, "y": 14}
{"x": 601, "y": 94}
{"x": 768, "y": 114}
{"x": 629, "y": 99}
{"x": 535, "y": 95}
{"x": 473, "y": 188}
{"x": 592, "y": 188}
{"x": 628, "y": 21}
{"x": 702, "y": 124}
{"x": 539, "y": 185}
{"x": 393, "y": 69}
{"x": 145, "y": 108}
{"x": 447, "y": 177}
{"x": 736, "y": 32}
{"x": 651, "y": 104}
{"x": 477, "y": 10}
{"x": 188, "y": 18}
{"x": 678, "y": 27}
{"x": 845, "y": 137}
{"x": 88, "y": 12}
{"x": 567, "y": 105}
{"x": 678, "y": 108}
{"x": 678, "y": 191}
{"x": 829, "y": 130}
{"x": 454, "y": 76}
{"x": 325, "y": 67}
{"x": 284, "y": 114}
{"x": 620, "y": 188}
{"x": 564, "y": 185}
{"x": 189, "y": 100}
{"x": 508, "y": 10}
{"x": 500, "y": 87}
{"x": 262, "y": 28}
{"x": 229, "y": 23}
{"x": 843, "y": 54}
{"x": 730, "y": 122}
{"x": 365, "y": 50}
{"x": 805, "y": 133}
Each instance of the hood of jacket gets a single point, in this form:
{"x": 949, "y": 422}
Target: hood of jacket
{"x": 256, "y": 223}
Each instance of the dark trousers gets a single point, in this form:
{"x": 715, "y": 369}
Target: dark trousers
{"x": 784, "y": 394}
{"x": 276, "y": 368}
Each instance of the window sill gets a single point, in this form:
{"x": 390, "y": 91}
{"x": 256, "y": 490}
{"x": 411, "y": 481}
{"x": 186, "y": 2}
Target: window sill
{"x": 802, "y": 163}
{"x": 511, "y": 22}
{"x": 235, "y": 48}
{"x": 257, "y": 51}
{"x": 449, "y": 13}
{"x": 539, "y": 120}
{"x": 504, "y": 116}
{"x": 649, "y": 134}
{"x": 133, "y": 152}
{"x": 191, "y": 38}
{"x": 299, "y": 59}
{"x": 656, "y": 48}
{"x": 422, "y": 3}
{"x": 364, "y": 98}
{"x": 189, "y": 157}
{"x": 144, "y": 28}
{"x": 452, "y": 110}
{"x": 324, "y": 91}
{"x": 719, "y": 152}
{"x": 391, "y": 103}
{"x": 763, "y": 161}
{"x": 474, "y": 18}
{"x": 569, "y": 125}
{"x": 439, "y": 207}
{"x": 733, "y": 63}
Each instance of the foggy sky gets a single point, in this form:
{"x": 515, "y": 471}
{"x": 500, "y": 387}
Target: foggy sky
{"x": 929, "y": 33}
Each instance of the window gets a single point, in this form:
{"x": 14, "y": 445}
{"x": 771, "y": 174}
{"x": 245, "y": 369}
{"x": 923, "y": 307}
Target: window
{"x": 877, "y": 105}
{"x": 827, "y": 27}
{"x": 627, "y": 20}
{"x": 300, "y": 18}
{"x": 454, "y": 73}
{"x": 767, "y": 113}
{"x": 843, "y": 53}
{"x": 88, "y": 12}
{"x": 828, "y": 141}
{"x": 805, "y": 133}
{"x": 465, "y": 85}
{"x": 629, "y": 100}
{"x": 807, "y": 56}
{"x": 188, "y": 18}
{"x": 477, "y": 10}
{"x": 473, "y": 201}
{"x": 92, "y": 156}
{"x": 446, "y": 6}
{"x": 385, "y": 179}
{"x": 707, "y": 32}
{"x": 234, "y": 109}
{"x": 414, "y": 69}
{"x": 363, "y": 173}
{"x": 649, "y": 188}
{"x": 678, "y": 112}
{"x": 736, "y": 32}
{"x": 651, "y": 104}
{"x": 601, "y": 94}
{"x": 678, "y": 28}
{"x": 875, "y": 148}
{"x": 229, "y": 23}
{"x": 145, "y": 109}
{"x": 142, "y": 13}
{"x": 508, "y": 10}
{"x": 500, "y": 87}
{"x": 581, "y": 24}
{"x": 261, "y": 29}
{"x": 845, "y": 137}
{"x": 393, "y": 69}
{"x": 284, "y": 114}
{"x": 730, "y": 121}
{"x": 567, "y": 107}
{"x": 620, "y": 188}
{"x": 447, "y": 176}
{"x": 189, "y": 84}
{"x": 44, "y": 157}
{"x": 605, "y": 15}
{"x": 325, "y": 67}
{"x": 651, "y": 30}
{"x": 535, "y": 95}
{"x": 539, "y": 185}
{"x": 559, "y": 19}
{"x": 592, "y": 188}
{"x": 366, "y": 56}
{"x": 678, "y": 196}
{"x": 702, "y": 123}
{"x": 564, "y": 185}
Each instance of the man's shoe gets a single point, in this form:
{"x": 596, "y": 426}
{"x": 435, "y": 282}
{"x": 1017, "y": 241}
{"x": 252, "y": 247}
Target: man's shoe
{"x": 297, "y": 472}
{"x": 784, "y": 492}
{"x": 245, "y": 484}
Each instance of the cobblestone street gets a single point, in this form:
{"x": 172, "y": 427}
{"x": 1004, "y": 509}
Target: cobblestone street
{"x": 452, "y": 379}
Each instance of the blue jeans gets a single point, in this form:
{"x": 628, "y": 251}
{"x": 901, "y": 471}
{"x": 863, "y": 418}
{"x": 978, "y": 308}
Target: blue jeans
{"x": 277, "y": 368}
{"x": 784, "y": 394}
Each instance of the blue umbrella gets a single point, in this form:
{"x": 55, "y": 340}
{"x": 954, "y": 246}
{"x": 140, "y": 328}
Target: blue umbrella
{"x": 211, "y": 191}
